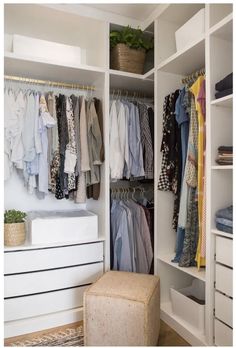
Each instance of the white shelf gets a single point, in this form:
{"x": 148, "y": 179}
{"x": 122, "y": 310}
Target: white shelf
{"x": 223, "y": 234}
{"x": 128, "y": 81}
{"x": 187, "y": 331}
{"x": 226, "y": 102}
{"x": 186, "y": 61}
{"x": 149, "y": 75}
{"x": 193, "y": 271}
{"x": 47, "y": 70}
{"x": 224, "y": 29}
{"x": 28, "y": 246}
{"x": 229, "y": 167}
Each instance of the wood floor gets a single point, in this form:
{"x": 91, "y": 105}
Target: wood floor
{"x": 167, "y": 337}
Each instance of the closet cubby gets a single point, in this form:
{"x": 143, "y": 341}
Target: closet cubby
{"x": 221, "y": 191}
{"x": 53, "y": 25}
{"x": 221, "y": 53}
{"x": 221, "y": 120}
{"x": 175, "y": 279}
{"x": 174, "y": 17}
{"x": 219, "y": 12}
{"x": 149, "y": 59}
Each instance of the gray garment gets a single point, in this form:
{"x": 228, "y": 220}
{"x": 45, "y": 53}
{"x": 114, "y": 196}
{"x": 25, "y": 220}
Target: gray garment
{"x": 127, "y": 155}
{"x": 146, "y": 140}
{"x": 52, "y": 135}
{"x": 28, "y": 128}
{"x": 84, "y": 151}
{"x": 122, "y": 258}
{"x": 135, "y": 146}
{"x": 94, "y": 145}
{"x": 52, "y": 132}
{"x": 144, "y": 252}
{"x": 75, "y": 102}
{"x": 125, "y": 205}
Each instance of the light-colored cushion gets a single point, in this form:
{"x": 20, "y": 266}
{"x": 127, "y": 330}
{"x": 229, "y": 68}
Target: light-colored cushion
{"x": 122, "y": 309}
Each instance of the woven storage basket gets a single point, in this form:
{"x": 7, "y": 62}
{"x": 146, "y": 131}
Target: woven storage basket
{"x": 127, "y": 59}
{"x": 14, "y": 234}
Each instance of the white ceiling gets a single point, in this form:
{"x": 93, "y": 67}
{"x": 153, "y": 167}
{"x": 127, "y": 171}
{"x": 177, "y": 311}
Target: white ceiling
{"x": 136, "y": 11}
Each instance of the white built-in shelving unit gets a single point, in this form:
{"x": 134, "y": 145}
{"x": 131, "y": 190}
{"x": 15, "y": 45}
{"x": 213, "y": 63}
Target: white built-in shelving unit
{"x": 213, "y": 50}
{"x": 219, "y": 128}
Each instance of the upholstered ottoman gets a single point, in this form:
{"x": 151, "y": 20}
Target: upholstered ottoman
{"x": 122, "y": 309}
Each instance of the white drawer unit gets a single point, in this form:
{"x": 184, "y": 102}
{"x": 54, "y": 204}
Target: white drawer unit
{"x": 223, "y": 326}
{"x": 223, "y": 334}
{"x": 41, "y": 304}
{"x": 38, "y": 282}
{"x": 224, "y": 251}
{"x": 224, "y": 280}
{"x": 43, "y": 287}
{"x": 224, "y": 308}
{"x": 48, "y": 258}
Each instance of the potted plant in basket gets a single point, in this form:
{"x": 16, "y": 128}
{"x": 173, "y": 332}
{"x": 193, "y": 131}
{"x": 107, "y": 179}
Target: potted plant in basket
{"x": 128, "y": 49}
{"x": 14, "y": 227}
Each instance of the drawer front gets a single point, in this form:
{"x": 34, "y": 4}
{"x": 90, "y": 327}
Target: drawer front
{"x": 224, "y": 308}
{"x": 35, "y": 260}
{"x": 223, "y": 334}
{"x": 224, "y": 251}
{"x": 224, "y": 280}
{"x": 38, "y": 282}
{"x": 51, "y": 302}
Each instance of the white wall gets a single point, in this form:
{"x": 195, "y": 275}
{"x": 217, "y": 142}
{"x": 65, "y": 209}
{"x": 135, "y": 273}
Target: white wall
{"x": 17, "y": 197}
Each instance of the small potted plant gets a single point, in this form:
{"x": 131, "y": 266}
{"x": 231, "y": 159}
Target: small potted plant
{"x": 14, "y": 227}
{"x": 128, "y": 49}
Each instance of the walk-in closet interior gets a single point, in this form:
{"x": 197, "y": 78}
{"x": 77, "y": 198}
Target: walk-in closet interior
{"x": 128, "y": 171}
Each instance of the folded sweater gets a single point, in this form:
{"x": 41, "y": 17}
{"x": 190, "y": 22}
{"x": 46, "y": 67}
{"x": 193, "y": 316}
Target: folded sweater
{"x": 226, "y": 213}
{"x": 225, "y": 83}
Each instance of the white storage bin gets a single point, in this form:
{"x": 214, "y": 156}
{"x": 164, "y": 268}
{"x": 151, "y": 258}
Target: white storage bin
{"x": 48, "y": 50}
{"x": 186, "y": 308}
{"x": 62, "y": 226}
{"x": 191, "y": 30}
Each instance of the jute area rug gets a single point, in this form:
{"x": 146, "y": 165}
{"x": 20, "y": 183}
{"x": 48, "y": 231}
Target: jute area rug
{"x": 61, "y": 338}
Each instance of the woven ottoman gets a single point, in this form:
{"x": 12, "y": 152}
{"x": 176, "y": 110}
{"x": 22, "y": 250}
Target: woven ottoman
{"x": 122, "y": 309}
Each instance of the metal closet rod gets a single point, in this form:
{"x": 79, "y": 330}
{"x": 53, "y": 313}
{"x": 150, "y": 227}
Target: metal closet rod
{"x": 128, "y": 93}
{"x": 49, "y": 83}
{"x": 195, "y": 74}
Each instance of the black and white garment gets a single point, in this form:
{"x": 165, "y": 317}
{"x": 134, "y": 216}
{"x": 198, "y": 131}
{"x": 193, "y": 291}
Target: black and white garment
{"x": 146, "y": 140}
{"x": 170, "y": 176}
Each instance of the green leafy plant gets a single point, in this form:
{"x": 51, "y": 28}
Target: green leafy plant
{"x": 14, "y": 216}
{"x": 133, "y": 38}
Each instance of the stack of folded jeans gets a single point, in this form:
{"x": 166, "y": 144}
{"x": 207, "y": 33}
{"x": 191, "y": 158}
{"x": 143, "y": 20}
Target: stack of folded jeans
{"x": 224, "y": 219}
{"x": 224, "y": 87}
{"x": 225, "y": 155}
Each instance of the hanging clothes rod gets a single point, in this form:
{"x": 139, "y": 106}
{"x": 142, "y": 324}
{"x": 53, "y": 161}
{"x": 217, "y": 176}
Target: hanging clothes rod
{"x": 49, "y": 83}
{"x": 194, "y": 75}
{"x": 129, "y": 94}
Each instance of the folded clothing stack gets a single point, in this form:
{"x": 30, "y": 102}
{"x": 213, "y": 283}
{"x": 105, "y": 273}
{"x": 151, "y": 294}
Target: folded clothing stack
{"x": 224, "y": 87}
{"x": 225, "y": 155}
{"x": 224, "y": 219}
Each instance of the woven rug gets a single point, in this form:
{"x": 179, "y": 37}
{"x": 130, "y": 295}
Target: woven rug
{"x": 61, "y": 338}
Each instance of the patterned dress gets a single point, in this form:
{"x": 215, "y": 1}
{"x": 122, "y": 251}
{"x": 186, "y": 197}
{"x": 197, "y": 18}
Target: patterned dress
{"x": 170, "y": 176}
{"x": 187, "y": 258}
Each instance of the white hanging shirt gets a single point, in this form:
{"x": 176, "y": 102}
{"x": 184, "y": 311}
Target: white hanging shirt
{"x": 13, "y": 124}
{"x": 116, "y": 161}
